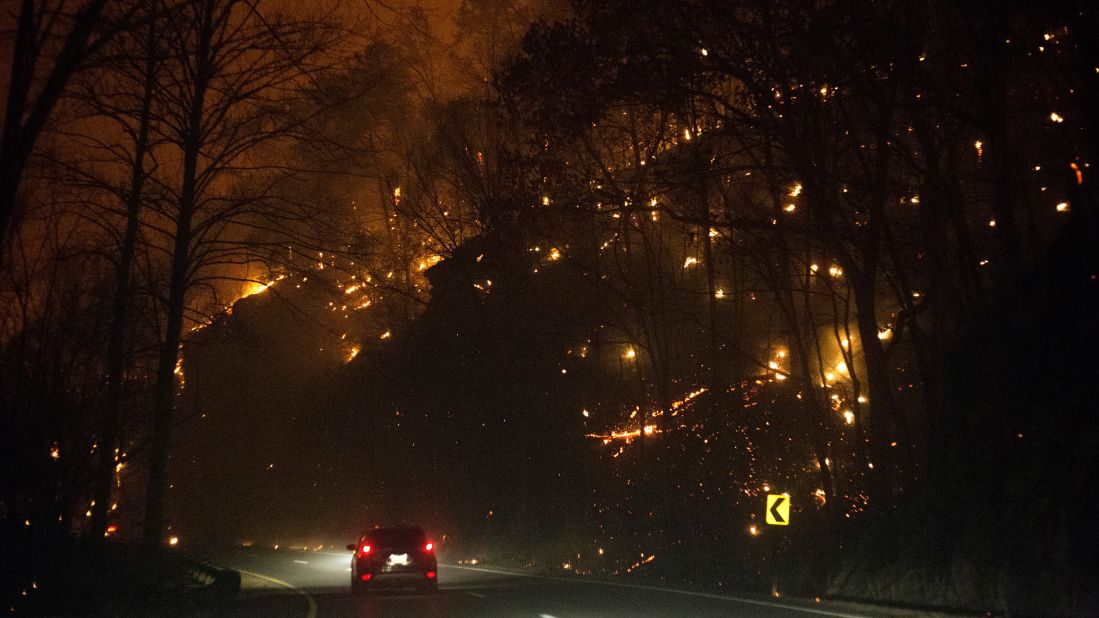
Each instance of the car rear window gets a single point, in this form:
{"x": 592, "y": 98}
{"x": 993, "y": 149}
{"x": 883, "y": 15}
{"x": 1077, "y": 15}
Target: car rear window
{"x": 396, "y": 537}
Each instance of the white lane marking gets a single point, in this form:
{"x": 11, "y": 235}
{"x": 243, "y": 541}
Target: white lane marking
{"x": 474, "y": 594}
{"x": 546, "y": 616}
{"x": 689, "y": 593}
{"x": 301, "y": 562}
{"x": 347, "y": 554}
{"x": 312, "y": 604}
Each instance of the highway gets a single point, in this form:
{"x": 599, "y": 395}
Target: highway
{"x": 304, "y": 584}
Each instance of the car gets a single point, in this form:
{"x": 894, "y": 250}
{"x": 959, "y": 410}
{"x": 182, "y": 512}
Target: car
{"x": 394, "y": 556}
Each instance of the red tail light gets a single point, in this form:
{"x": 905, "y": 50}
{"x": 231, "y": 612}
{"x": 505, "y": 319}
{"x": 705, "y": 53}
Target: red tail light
{"x": 366, "y": 576}
{"x": 431, "y": 574}
{"x": 365, "y": 549}
{"x": 429, "y": 547}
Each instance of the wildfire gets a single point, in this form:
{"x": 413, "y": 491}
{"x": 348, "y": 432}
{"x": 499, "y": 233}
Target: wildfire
{"x": 628, "y": 435}
{"x": 254, "y": 287}
{"x": 251, "y": 288}
{"x": 428, "y": 262}
{"x": 643, "y": 561}
{"x": 687, "y": 399}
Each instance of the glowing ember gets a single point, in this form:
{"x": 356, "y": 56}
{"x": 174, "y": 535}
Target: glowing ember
{"x": 352, "y": 353}
{"x": 1079, "y": 173}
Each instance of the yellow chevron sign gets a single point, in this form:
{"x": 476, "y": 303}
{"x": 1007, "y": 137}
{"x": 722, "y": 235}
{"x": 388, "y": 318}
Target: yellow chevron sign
{"x": 778, "y": 509}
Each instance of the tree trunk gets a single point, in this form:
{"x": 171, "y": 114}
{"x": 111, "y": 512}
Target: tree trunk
{"x": 13, "y": 144}
{"x": 116, "y": 357}
{"x": 886, "y": 416}
{"x": 164, "y": 392}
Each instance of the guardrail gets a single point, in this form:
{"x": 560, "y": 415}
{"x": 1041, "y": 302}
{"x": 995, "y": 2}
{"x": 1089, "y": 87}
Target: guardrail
{"x": 217, "y": 580}
{"x": 916, "y": 607}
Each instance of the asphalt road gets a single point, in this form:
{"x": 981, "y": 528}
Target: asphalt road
{"x": 310, "y": 584}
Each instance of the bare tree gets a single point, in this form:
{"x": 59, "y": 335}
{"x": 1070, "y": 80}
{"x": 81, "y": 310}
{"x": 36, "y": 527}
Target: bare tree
{"x": 226, "y": 96}
{"x": 123, "y": 93}
{"x": 53, "y": 42}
